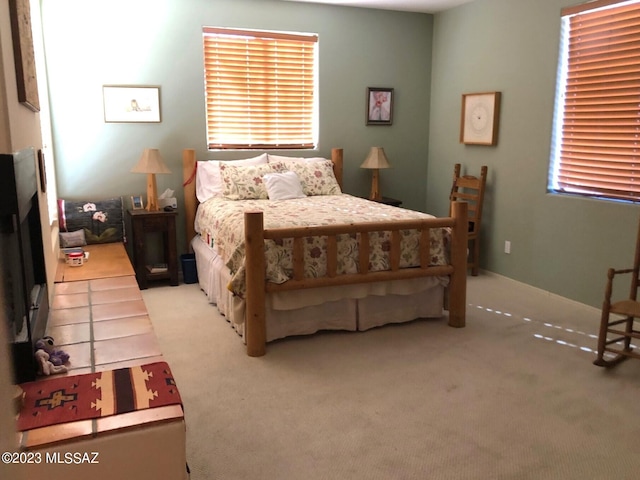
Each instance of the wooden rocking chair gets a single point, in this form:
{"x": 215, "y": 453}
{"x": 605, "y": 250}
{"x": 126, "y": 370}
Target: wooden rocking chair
{"x": 470, "y": 189}
{"x": 618, "y": 318}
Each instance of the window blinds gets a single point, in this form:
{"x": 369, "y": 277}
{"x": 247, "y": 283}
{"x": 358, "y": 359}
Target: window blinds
{"x": 260, "y": 89}
{"x": 600, "y": 149}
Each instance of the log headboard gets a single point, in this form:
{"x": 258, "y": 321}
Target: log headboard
{"x": 189, "y": 166}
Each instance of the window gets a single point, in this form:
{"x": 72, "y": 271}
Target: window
{"x": 596, "y": 139}
{"x": 260, "y": 89}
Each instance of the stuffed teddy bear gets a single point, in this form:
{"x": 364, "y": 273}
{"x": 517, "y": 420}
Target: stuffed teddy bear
{"x": 45, "y": 367}
{"x": 57, "y": 357}
{"x": 50, "y": 360}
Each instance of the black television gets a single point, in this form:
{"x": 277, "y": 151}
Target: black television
{"x": 23, "y": 285}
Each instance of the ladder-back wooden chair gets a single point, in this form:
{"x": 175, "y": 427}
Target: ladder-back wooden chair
{"x": 617, "y": 324}
{"x": 470, "y": 189}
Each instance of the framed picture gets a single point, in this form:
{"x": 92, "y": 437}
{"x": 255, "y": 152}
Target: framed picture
{"x": 480, "y": 118}
{"x": 136, "y": 202}
{"x": 126, "y": 104}
{"x": 379, "y": 106}
{"x": 20, "y": 14}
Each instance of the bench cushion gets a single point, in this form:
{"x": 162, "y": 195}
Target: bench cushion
{"x": 101, "y": 220}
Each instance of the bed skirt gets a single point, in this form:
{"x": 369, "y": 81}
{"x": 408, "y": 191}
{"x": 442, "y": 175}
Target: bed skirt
{"x": 303, "y": 312}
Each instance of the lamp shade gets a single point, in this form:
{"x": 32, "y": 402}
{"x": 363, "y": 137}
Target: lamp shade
{"x": 151, "y": 162}
{"x": 376, "y": 159}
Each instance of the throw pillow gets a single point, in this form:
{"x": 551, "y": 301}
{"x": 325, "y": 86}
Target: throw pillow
{"x": 101, "y": 220}
{"x": 283, "y": 186}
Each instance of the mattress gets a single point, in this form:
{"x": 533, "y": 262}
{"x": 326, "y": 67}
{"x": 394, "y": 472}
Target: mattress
{"x": 220, "y": 223}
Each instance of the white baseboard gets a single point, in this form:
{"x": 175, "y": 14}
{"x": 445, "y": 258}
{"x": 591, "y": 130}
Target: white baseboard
{"x": 540, "y": 290}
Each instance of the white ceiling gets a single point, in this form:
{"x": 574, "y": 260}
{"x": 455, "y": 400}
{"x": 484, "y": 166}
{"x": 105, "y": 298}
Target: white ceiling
{"x": 422, "y": 6}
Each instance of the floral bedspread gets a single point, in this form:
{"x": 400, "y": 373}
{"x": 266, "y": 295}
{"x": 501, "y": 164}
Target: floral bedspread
{"x": 221, "y": 222}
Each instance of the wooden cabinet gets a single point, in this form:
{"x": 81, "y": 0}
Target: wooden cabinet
{"x": 143, "y": 223}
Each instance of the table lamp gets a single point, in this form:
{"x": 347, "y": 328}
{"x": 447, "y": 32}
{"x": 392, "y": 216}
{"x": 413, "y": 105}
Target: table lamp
{"x": 151, "y": 163}
{"x": 375, "y": 161}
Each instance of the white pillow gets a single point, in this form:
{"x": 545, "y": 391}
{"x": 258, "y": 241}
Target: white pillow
{"x": 208, "y": 179}
{"x": 283, "y": 186}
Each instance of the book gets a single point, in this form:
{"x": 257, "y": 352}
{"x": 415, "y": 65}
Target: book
{"x": 157, "y": 268}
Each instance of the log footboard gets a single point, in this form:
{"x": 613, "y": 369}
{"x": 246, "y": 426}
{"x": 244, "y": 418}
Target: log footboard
{"x": 257, "y": 286}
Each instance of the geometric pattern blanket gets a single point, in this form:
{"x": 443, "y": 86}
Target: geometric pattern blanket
{"x": 93, "y": 395}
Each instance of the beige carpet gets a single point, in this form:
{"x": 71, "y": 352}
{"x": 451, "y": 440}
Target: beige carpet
{"x": 514, "y": 395}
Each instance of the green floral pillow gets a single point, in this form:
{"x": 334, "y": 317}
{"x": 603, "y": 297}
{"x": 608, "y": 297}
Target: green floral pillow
{"x": 245, "y": 182}
{"x": 316, "y": 176}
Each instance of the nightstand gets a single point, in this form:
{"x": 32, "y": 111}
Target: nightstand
{"x": 143, "y": 222}
{"x": 389, "y": 201}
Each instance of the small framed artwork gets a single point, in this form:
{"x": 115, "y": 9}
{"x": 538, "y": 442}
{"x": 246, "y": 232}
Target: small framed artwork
{"x": 136, "y": 202}
{"x": 480, "y": 118}
{"x": 131, "y": 104}
{"x": 23, "y": 51}
{"x": 379, "y": 106}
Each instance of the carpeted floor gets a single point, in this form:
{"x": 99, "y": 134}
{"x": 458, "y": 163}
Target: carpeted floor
{"x": 514, "y": 395}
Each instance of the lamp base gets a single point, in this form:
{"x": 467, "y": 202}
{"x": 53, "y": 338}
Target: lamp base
{"x": 375, "y": 194}
{"x": 152, "y": 193}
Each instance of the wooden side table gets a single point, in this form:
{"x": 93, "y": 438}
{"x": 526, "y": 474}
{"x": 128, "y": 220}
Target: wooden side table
{"x": 143, "y": 222}
{"x": 391, "y": 201}
{"x": 387, "y": 201}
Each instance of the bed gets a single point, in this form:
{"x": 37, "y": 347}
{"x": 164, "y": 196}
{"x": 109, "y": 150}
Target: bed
{"x": 281, "y": 251}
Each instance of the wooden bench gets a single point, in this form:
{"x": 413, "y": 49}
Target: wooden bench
{"x": 106, "y": 260}
{"x": 98, "y": 316}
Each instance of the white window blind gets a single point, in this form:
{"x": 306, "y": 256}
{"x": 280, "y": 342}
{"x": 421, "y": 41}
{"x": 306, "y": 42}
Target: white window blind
{"x": 260, "y": 89}
{"x": 597, "y": 149}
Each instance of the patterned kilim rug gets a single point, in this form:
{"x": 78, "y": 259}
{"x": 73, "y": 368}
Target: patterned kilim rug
{"x": 92, "y": 395}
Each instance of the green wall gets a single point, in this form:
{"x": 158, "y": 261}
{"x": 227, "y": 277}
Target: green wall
{"x": 560, "y": 244}
{"x": 159, "y": 42}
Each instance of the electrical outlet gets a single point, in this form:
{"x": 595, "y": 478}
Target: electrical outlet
{"x": 507, "y": 246}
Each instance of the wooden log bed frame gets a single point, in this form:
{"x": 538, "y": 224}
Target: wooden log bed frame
{"x": 257, "y": 287}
